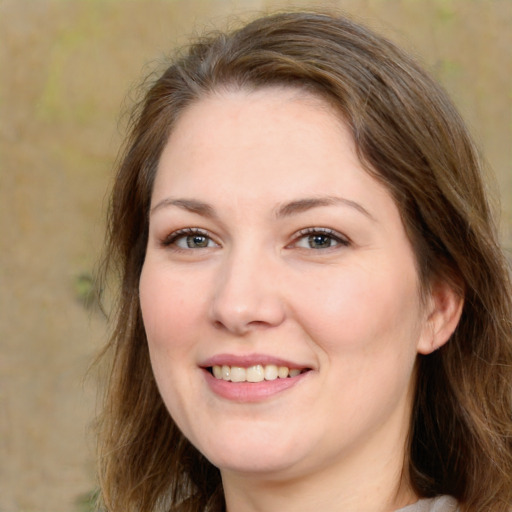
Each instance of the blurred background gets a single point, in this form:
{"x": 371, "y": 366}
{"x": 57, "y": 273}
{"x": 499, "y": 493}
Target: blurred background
{"x": 68, "y": 70}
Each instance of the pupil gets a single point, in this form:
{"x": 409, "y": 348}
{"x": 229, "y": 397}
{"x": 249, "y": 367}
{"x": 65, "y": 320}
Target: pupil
{"x": 197, "y": 241}
{"x": 319, "y": 241}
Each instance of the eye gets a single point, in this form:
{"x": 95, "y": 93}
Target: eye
{"x": 190, "y": 238}
{"x": 319, "y": 238}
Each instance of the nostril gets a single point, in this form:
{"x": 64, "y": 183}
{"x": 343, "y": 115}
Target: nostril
{"x": 258, "y": 323}
{"x": 218, "y": 325}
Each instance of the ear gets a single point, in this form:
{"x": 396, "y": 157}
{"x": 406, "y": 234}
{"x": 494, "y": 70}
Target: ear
{"x": 443, "y": 310}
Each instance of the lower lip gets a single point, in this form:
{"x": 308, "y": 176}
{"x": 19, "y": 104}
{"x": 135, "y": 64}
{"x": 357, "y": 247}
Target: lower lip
{"x": 250, "y": 391}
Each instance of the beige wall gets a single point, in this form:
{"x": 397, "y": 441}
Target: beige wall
{"x": 65, "y": 69}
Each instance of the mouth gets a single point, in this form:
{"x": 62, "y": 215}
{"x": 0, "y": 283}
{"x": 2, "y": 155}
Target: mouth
{"x": 254, "y": 373}
{"x": 252, "y": 378}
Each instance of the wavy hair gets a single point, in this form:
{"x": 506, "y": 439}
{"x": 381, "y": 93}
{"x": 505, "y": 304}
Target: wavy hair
{"x": 410, "y": 137}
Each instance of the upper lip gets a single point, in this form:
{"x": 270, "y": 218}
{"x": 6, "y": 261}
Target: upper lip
{"x": 247, "y": 360}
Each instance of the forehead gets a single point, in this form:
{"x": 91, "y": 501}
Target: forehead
{"x": 261, "y": 112}
{"x": 260, "y": 139}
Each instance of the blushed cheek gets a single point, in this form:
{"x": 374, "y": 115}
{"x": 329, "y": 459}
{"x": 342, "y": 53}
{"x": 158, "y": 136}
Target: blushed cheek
{"x": 342, "y": 310}
{"x": 163, "y": 312}
{"x": 361, "y": 312}
{"x": 175, "y": 306}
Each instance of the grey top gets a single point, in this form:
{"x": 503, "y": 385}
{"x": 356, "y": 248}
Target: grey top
{"x": 439, "y": 504}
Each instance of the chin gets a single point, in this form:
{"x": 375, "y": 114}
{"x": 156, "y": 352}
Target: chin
{"x": 259, "y": 465}
{"x": 253, "y": 458}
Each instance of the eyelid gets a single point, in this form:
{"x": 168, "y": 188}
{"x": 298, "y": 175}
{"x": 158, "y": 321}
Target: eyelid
{"x": 342, "y": 239}
{"x": 171, "y": 238}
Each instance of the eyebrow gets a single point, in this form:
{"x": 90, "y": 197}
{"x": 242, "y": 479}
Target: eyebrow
{"x": 285, "y": 210}
{"x": 191, "y": 205}
{"x": 302, "y": 205}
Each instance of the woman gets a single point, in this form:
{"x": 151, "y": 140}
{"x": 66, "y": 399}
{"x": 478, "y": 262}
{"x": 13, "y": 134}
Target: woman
{"x": 314, "y": 309}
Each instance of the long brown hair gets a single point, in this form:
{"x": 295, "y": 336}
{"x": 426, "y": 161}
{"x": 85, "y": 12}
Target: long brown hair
{"x": 409, "y": 136}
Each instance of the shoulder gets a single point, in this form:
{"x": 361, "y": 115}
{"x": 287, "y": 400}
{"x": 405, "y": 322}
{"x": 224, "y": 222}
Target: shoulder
{"x": 439, "y": 504}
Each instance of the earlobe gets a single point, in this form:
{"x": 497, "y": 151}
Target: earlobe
{"x": 443, "y": 313}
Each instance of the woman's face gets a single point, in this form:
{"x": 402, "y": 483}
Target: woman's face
{"x": 274, "y": 257}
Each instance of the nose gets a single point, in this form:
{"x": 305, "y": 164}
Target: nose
{"x": 247, "y": 294}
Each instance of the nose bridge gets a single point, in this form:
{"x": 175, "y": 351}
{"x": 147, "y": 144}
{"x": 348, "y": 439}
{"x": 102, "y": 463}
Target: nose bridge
{"x": 247, "y": 294}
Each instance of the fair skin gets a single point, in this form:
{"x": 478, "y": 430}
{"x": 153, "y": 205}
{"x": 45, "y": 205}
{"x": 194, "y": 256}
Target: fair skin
{"x": 270, "y": 246}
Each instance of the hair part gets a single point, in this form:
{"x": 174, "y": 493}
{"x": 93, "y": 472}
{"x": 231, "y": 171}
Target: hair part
{"x": 409, "y": 136}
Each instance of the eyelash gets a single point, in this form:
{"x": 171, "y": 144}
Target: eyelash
{"x": 309, "y": 233}
{"x": 182, "y": 233}
{"x": 340, "y": 239}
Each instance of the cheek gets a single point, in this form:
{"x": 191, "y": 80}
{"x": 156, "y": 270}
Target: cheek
{"x": 170, "y": 307}
{"x": 169, "y": 313}
{"x": 362, "y": 309}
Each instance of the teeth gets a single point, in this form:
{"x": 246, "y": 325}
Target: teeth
{"x": 238, "y": 374}
{"x": 282, "y": 372}
{"x": 256, "y": 373}
{"x": 271, "y": 372}
{"x": 217, "y": 372}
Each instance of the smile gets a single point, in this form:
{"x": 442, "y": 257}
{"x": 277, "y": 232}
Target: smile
{"x": 254, "y": 373}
